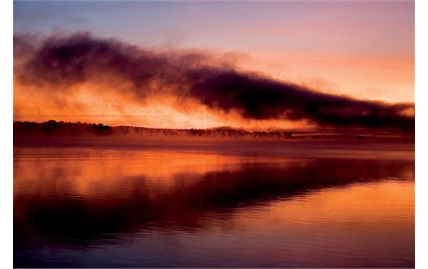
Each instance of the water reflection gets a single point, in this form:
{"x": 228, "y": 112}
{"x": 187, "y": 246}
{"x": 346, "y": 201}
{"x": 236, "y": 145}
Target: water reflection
{"x": 85, "y": 198}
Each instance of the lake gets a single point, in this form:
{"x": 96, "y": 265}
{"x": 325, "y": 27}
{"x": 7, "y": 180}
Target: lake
{"x": 210, "y": 207}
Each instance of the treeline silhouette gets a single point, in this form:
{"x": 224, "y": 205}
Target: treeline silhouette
{"x": 54, "y": 128}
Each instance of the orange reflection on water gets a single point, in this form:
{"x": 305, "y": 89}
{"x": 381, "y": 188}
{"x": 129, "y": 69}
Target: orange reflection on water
{"x": 85, "y": 171}
{"x": 354, "y": 226}
{"x": 296, "y": 212}
{"x": 356, "y": 207}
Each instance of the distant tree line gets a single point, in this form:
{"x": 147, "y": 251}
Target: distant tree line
{"x": 60, "y": 128}
{"x": 54, "y": 128}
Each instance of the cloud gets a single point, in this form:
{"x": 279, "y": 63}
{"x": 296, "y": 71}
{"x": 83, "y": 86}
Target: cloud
{"x": 60, "y": 62}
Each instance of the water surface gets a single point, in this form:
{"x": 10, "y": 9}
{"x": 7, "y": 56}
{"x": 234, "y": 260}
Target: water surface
{"x": 98, "y": 207}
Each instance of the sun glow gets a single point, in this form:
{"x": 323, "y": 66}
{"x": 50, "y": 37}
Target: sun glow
{"x": 93, "y": 103}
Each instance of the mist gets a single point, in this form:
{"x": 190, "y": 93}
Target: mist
{"x": 54, "y": 66}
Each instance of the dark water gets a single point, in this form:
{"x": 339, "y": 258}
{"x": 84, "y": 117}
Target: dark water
{"x": 77, "y": 207}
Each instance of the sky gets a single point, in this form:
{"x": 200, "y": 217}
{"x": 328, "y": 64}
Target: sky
{"x": 358, "y": 49}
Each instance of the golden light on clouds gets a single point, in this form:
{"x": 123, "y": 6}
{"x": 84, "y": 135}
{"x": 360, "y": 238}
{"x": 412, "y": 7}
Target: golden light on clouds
{"x": 388, "y": 79}
{"x": 81, "y": 77}
{"x": 94, "y": 103}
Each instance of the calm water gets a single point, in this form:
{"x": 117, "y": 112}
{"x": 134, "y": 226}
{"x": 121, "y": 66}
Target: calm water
{"x": 77, "y": 207}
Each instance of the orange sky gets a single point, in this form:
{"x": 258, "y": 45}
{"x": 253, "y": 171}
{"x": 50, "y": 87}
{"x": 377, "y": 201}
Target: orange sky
{"x": 110, "y": 108}
{"x": 389, "y": 79}
{"x": 364, "y": 50}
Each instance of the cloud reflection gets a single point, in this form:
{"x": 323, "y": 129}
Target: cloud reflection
{"x": 129, "y": 196}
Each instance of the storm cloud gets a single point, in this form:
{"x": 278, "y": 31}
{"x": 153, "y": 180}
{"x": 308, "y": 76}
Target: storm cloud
{"x": 59, "y": 62}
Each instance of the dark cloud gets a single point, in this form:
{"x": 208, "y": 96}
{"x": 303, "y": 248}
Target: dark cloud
{"x": 63, "y": 61}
